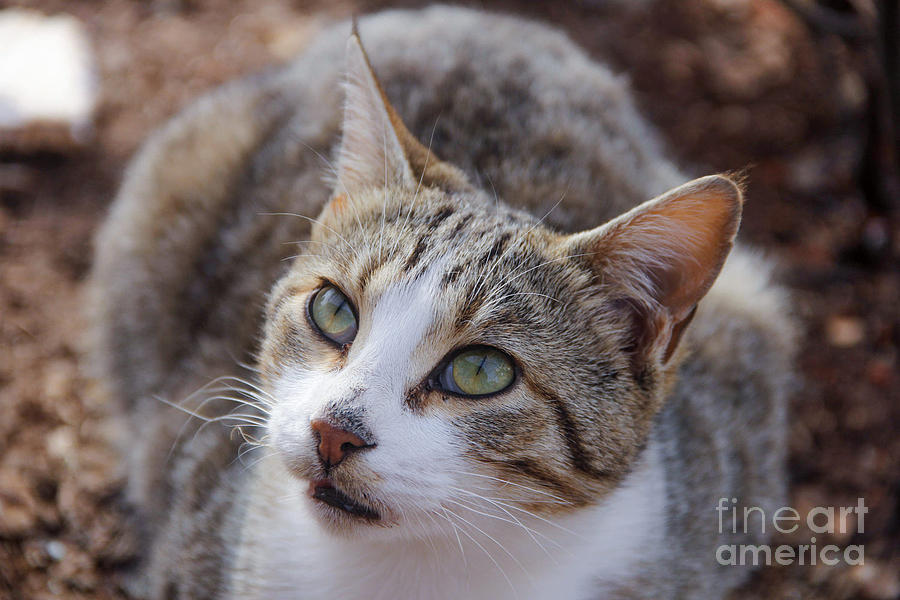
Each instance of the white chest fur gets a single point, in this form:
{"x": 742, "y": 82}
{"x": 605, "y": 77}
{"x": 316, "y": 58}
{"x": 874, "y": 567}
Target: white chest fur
{"x": 284, "y": 552}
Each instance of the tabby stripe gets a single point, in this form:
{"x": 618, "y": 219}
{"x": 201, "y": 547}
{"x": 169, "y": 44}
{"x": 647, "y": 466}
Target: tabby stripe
{"x": 451, "y": 276}
{"x": 417, "y": 252}
{"x": 460, "y": 224}
{"x": 497, "y": 249}
{"x": 369, "y": 269}
{"x": 439, "y": 217}
{"x": 577, "y": 453}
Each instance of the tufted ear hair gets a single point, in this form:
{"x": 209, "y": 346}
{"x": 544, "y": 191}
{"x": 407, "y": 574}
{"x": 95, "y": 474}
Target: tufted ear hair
{"x": 377, "y": 150}
{"x": 658, "y": 260}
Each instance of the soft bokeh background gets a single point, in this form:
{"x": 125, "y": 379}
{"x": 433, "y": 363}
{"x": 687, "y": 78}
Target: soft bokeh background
{"x": 799, "y": 91}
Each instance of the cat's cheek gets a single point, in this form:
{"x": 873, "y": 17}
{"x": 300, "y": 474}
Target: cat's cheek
{"x": 290, "y": 441}
{"x": 417, "y": 462}
{"x": 288, "y": 424}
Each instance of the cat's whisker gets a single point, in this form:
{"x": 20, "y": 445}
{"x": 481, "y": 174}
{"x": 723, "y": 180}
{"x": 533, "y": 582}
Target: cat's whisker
{"x": 456, "y": 530}
{"x": 384, "y": 134}
{"x": 531, "y": 532}
{"x": 205, "y": 388}
{"x": 513, "y": 506}
{"x": 493, "y": 190}
{"x": 529, "y": 502}
{"x": 310, "y": 241}
{"x": 302, "y": 255}
{"x": 254, "y": 386}
{"x": 245, "y": 365}
{"x": 239, "y": 419}
{"x": 195, "y": 413}
{"x": 512, "y": 519}
{"x": 328, "y": 164}
{"x": 250, "y": 440}
{"x": 249, "y": 384}
{"x": 543, "y": 519}
{"x": 251, "y": 444}
{"x": 441, "y": 528}
{"x": 339, "y": 251}
{"x": 516, "y": 274}
{"x": 512, "y": 483}
{"x": 251, "y": 397}
{"x": 247, "y": 447}
{"x": 484, "y": 533}
{"x": 483, "y": 549}
{"x": 489, "y": 490}
{"x": 238, "y": 401}
{"x": 251, "y": 393}
{"x": 425, "y": 533}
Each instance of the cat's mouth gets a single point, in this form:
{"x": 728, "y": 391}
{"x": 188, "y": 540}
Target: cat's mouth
{"x": 323, "y": 490}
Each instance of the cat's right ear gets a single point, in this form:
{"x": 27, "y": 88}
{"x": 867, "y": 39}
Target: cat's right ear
{"x": 371, "y": 152}
{"x": 377, "y": 150}
{"x": 656, "y": 262}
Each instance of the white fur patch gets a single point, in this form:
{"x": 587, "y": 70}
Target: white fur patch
{"x": 492, "y": 550}
{"x": 412, "y": 451}
{"x": 285, "y": 555}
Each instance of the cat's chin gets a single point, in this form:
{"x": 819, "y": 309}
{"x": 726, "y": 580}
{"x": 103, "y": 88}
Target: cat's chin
{"x": 339, "y": 511}
{"x": 325, "y": 491}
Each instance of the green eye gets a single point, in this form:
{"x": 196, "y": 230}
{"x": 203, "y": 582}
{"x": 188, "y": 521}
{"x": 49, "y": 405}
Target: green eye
{"x": 477, "y": 371}
{"x": 332, "y": 314}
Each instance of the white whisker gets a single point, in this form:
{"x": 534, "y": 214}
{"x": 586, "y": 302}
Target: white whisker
{"x": 518, "y": 485}
{"x": 531, "y": 532}
{"x": 483, "y": 549}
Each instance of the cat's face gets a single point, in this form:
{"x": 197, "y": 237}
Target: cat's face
{"x": 378, "y": 330}
{"x": 435, "y": 353}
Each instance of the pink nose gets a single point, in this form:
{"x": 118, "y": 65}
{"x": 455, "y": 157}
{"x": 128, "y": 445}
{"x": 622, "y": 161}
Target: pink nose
{"x": 335, "y": 443}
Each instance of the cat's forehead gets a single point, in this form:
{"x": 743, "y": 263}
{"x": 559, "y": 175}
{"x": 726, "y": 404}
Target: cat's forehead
{"x": 483, "y": 262}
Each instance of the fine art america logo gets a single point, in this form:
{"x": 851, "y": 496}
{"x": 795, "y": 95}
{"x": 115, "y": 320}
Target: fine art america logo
{"x": 821, "y": 520}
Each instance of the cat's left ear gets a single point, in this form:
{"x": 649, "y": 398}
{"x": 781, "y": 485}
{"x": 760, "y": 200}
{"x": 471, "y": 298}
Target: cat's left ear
{"x": 377, "y": 150}
{"x": 656, "y": 262}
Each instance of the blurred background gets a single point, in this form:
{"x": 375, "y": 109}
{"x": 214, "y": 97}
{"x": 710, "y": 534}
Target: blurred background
{"x": 804, "y": 93}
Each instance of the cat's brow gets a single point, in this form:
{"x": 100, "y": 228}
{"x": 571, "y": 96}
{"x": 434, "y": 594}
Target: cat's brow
{"x": 442, "y": 236}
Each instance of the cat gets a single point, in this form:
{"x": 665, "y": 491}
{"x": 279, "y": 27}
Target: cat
{"x": 471, "y": 362}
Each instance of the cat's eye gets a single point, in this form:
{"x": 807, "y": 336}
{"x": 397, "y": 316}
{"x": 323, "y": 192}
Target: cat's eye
{"x": 333, "y": 315}
{"x": 477, "y": 371}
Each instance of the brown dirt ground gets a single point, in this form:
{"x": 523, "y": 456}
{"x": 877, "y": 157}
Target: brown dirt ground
{"x": 731, "y": 83}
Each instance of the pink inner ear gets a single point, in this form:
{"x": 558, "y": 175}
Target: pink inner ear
{"x": 371, "y": 153}
{"x": 692, "y": 237}
{"x": 662, "y": 257}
